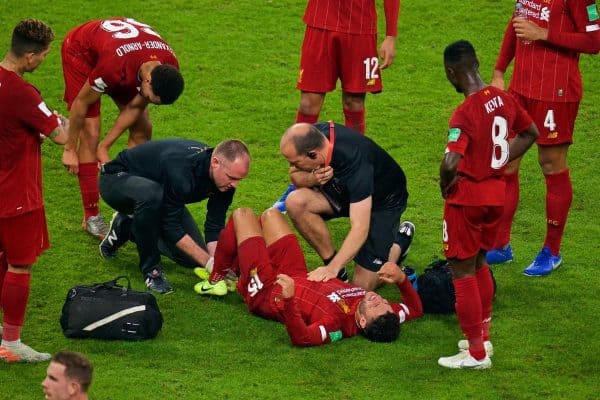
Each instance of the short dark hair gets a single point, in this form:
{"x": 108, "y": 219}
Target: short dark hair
{"x": 31, "y": 36}
{"x": 77, "y": 367}
{"x": 385, "y": 328}
{"x": 461, "y": 53}
{"x": 311, "y": 140}
{"x": 167, "y": 83}
{"x": 231, "y": 149}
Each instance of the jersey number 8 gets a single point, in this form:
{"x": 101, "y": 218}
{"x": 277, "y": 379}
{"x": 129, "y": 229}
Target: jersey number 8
{"x": 500, "y": 141}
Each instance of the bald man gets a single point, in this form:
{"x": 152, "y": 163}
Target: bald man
{"x": 339, "y": 173}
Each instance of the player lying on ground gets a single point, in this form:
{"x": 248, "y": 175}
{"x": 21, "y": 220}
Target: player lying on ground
{"x": 273, "y": 281}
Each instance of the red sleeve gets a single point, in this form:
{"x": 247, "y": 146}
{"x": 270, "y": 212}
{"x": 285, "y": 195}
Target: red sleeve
{"x": 35, "y": 113}
{"x": 586, "y": 39}
{"x": 458, "y": 137}
{"x": 315, "y": 334}
{"x": 507, "y": 50}
{"x": 411, "y": 307}
{"x": 391, "y": 9}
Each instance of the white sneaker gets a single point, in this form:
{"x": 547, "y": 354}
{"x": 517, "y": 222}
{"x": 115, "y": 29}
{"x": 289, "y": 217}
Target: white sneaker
{"x": 23, "y": 353}
{"x": 489, "y": 348}
{"x": 464, "y": 360}
{"x": 96, "y": 226}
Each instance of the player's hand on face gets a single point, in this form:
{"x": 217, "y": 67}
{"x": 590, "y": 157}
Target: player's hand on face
{"x": 70, "y": 160}
{"x": 287, "y": 285}
{"x": 321, "y": 274}
{"x": 323, "y": 174}
{"x": 387, "y": 52}
{"x": 391, "y": 273}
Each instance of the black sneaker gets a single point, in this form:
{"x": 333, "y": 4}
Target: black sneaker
{"x": 343, "y": 275}
{"x": 406, "y": 232}
{"x": 118, "y": 235}
{"x": 157, "y": 281}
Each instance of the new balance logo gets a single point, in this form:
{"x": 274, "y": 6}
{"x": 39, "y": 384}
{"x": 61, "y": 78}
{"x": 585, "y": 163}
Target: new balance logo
{"x": 111, "y": 238}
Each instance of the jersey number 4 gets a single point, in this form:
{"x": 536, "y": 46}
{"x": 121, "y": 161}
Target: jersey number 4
{"x": 127, "y": 29}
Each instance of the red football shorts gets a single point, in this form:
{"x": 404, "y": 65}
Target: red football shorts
{"x": 327, "y": 56}
{"x": 469, "y": 229}
{"x": 24, "y": 237}
{"x": 555, "y": 121}
{"x": 75, "y": 72}
{"x": 259, "y": 266}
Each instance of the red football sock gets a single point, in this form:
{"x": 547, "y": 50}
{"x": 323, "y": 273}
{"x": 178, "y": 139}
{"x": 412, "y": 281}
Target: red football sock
{"x": 355, "y": 120}
{"x": 88, "y": 186}
{"x": 510, "y": 208}
{"x": 309, "y": 119}
{"x": 15, "y": 293}
{"x": 468, "y": 310}
{"x": 559, "y": 194}
{"x": 225, "y": 253}
{"x": 486, "y": 294}
{"x": 3, "y": 269}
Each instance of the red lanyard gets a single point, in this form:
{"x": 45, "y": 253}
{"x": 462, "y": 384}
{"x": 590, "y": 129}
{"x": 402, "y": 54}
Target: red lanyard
{"x": 331, "y": 143}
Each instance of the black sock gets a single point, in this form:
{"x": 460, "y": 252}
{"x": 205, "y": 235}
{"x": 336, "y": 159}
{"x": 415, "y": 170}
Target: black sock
{"x": 326, "y": 261}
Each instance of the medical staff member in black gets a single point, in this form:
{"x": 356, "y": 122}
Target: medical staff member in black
{"x": 149, "y": 186}
{"x": 340, "y": 173}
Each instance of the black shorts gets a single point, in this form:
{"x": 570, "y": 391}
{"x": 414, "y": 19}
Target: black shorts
{"x": 383, "y": 231}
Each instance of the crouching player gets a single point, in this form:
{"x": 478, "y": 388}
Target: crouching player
{"x": 273, "y": 282}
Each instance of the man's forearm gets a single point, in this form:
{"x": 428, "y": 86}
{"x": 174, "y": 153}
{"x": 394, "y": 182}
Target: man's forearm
{"x": 192, "y": 249}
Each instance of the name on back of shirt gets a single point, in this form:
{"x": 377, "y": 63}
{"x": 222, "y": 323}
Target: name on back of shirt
{"x": 137, "y": 46}
{"x": 493, "y": 104}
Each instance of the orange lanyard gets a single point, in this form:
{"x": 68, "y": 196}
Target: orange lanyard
{"x": 331, "y": 143}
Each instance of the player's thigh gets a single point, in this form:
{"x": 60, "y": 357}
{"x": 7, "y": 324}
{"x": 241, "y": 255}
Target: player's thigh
{"x": 359, "y": 64}
{"x": 490, "y": 226}
{"x": 318, "y": 61}
{"x": 75, "y": 73}
{"x": 257, "y": 277}
{"x": 383, "y": 229}
{"x": 461, "y": 231}
{"x": 308, "y": 200}
{"x": 287, "y": 257}
{"x": 555, "y": 121}
{"x": 24, "y": 237}
{"x": 125, "y": 192}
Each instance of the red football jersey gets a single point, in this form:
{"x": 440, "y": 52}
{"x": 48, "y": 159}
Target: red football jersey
{"x": 323, "y": 312}
{"x": 117, "y": 48}
{"x": 479, "y": 132}
{"x": 549, "y": 70}
{"x": 23, "y": 117}
{"x": 350, "y": 16}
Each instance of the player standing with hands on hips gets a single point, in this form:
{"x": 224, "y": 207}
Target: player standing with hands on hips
{"x": 130, "y": 62}
{"x": 472, "y": 184}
